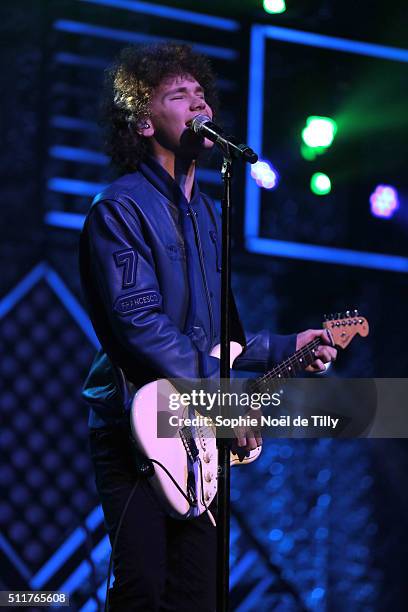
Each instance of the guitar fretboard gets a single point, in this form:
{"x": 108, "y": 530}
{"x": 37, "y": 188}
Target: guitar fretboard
{"x": 288, "y": 368}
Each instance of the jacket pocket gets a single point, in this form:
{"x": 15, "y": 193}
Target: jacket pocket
{"x": 213, "y": 236}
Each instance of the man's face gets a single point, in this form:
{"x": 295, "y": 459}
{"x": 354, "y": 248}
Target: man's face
{"x": 175, "y": 102}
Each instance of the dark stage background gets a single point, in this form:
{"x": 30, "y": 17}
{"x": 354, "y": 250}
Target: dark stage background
{"x": 316, "y": 525}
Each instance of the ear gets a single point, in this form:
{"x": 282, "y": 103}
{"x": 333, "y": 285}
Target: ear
{"x": 144, "y": 127}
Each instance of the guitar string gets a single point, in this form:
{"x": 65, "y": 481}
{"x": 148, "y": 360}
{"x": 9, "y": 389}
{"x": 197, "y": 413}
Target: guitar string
{"x": 289, "y": 366}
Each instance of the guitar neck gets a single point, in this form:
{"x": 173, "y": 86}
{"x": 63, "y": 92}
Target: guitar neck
{"x": 342, "y": 330}
{"x": 291, "y": 366}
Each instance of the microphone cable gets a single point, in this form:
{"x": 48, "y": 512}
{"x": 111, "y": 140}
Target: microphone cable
{"x": 122, "y": 516}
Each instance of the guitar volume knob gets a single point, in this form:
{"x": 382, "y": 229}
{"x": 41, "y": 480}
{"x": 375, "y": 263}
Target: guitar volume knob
{"x": 207, "y": 457}
{"x": 208, "y": 477}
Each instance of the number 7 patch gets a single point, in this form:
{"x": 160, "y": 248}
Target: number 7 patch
{"x": 128, "y": 260}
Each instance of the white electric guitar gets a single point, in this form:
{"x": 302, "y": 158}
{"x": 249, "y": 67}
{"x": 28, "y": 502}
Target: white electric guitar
{"x": 185, "y": 465}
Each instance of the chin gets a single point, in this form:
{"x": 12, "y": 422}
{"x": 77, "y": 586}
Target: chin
{"x": 208, "y": 144}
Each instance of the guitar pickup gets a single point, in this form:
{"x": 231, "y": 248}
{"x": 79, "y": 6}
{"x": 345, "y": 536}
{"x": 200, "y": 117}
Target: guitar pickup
{"x": 189, "y": 443}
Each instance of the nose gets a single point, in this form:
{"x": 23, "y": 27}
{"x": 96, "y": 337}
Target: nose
{"x": 197, "y": 104}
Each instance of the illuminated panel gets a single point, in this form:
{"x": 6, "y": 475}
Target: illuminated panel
{"x": 255, "y": 242}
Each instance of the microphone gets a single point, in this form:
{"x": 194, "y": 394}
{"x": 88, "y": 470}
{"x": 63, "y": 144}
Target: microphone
{"x": 203, "y": 126}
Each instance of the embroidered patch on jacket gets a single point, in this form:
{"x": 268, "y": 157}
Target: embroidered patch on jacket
{"x": 126, "y": 304}
{"x": 176, "y": 251}
{"x": 128, "y": 260}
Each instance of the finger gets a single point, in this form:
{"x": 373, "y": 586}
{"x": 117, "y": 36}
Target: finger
{"x": 257, "y": 432}
{"x": 325, "y": 336}
{"x": 316, "y": 366}
{"x": 251, "y": 443}
{"x": 326, "y": 353}
{"x": 332, "y": 353}
{"x": 320, "y": 365}
{"x": 242, "y": 441}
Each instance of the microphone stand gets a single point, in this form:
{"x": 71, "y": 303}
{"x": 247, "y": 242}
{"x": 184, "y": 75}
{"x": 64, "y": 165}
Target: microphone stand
{"x": 224, "y": 444}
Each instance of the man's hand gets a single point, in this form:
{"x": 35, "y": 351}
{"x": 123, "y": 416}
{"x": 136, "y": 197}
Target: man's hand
{"x": 248, "y": 438}
{"x": 324, "y": 354}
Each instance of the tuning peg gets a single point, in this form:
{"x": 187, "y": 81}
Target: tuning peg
{"x": 348, "y": 313}
{"x": 355, "y": 312}
{"x": 338, "y": 315}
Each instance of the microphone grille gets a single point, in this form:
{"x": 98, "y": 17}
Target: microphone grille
{"x": 198, "y": 122}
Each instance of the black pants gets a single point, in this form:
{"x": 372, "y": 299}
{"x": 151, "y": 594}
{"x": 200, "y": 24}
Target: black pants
{"x": 160, "y": 563}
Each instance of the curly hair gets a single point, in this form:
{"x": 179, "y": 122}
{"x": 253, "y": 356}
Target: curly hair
{"x": 129, "y": 84}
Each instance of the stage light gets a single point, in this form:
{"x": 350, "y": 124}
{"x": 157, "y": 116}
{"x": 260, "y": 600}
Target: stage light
{"x": 265, "y": 175}
{"x": 384, "y": 201}
{"x": 274, "y": 6}
{"x": 319, "y": 132}
{"x": 320, "y": 183}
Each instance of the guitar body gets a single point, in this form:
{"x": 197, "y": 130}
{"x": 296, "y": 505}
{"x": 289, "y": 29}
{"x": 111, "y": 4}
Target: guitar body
{"x": 196, "y": 477}
{"x": 186, "y": 462}
{"x": 147, "y": 411}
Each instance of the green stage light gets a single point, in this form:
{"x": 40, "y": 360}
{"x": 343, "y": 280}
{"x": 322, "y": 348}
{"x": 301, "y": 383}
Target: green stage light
{"x": 274, "y": 6}
{"x": 319, "y": 131}
{"x": 320, "y": 183}
{"x": 310, "y": 153}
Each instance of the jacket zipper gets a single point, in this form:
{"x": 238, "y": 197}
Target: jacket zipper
{"x": 193, "y": 215}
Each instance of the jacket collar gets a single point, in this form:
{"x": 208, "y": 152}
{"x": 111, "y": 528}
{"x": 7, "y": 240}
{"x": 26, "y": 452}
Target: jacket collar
{"x": 166, "y": 185}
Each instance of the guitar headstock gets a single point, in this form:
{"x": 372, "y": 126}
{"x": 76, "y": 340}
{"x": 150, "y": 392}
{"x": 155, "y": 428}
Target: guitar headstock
{"x": 344, "y": 326}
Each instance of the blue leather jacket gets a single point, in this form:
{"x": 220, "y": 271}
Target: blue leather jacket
{"x": 150, "y": 264}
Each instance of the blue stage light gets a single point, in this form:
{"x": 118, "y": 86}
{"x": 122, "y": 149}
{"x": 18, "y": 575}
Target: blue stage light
{"x": 321, "y": 533}
{"x": 275, "y": 535}
{"x": 318, "y": 593}
{"x": 324, "y": 476}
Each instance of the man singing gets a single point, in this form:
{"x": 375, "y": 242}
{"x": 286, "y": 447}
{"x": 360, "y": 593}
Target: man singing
{"x": 150, "y": 267}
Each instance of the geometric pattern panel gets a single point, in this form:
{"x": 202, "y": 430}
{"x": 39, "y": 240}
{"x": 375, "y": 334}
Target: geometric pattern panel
{"x": 47, "y": 490}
